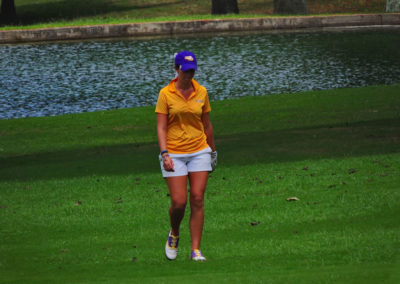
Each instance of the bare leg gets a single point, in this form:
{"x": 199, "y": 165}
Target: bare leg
{"x": 198, "y": 183}
{"x": 178, "y": 191}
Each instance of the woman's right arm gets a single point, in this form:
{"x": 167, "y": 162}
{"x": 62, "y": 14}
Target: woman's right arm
{"x": 162, "y": 128}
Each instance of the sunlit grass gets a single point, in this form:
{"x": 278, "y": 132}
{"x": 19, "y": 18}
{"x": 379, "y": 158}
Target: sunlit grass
{"x": 127, "y": 20}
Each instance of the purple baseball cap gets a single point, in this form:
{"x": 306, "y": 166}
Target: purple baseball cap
{"x": 186, "y": 60}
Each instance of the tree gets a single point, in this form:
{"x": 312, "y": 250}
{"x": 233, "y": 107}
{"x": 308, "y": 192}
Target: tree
{"x": 224, "y": 7}
{"x": 290, "y": 7}
{"x": 8, "y": 14}
{"x": 393, "y": 6}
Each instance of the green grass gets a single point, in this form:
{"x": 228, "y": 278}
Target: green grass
{"x": 59, "y": 13}
{"x": 126, "y": 20}
{"x": 338, "y": 151}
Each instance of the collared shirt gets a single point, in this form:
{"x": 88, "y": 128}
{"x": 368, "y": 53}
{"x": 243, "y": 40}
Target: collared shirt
{"x": 185, "y": 127}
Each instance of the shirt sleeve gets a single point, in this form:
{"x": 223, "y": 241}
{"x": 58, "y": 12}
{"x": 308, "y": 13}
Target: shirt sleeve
{"x": 206, "y": 107}
{"x": 162, "y": 106}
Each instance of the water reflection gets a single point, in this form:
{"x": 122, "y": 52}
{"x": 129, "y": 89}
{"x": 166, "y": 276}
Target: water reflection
{"x": 70, "y": 77}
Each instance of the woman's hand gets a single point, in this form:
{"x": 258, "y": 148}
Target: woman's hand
{"x": 162, "y": 126}
{"x": 168, "y": 163}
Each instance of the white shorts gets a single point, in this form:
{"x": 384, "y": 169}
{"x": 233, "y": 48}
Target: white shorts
{"x": 184, "y": 163}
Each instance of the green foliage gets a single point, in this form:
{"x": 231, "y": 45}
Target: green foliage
{"x": 82, "y": 199}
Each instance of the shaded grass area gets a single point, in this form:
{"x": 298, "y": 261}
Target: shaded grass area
{"x": 340, "y": 6}
{"x": 376, "y": 137}
{"x": 46, "y": 11}
{"x": 82, "y": 200}
{"x": 334, "y": 122}
{"x": 42, "y": 13}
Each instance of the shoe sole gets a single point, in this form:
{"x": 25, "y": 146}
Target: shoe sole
{"x": 199, "y": 260}
{"x": 171, "y": 258}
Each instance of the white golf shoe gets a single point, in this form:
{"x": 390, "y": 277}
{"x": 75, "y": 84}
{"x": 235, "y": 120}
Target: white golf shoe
{"x": 171, "y": 247}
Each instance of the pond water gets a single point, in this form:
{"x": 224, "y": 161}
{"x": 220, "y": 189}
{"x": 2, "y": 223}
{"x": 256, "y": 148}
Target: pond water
{"x": 70, "y": 77}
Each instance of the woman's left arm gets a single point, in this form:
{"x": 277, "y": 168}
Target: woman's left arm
{"x": 208, "y": 130}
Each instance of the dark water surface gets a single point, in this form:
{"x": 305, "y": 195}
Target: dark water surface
{"x": 70, "y": 77}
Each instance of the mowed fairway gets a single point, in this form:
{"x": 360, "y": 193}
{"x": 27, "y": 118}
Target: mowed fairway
{"x": 82, "y": 199}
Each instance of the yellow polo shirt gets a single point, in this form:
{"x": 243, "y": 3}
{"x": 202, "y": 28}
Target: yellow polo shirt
{"x": 185, "y": 127}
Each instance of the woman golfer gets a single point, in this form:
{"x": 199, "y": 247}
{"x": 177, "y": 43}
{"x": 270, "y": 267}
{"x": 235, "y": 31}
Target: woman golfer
{"x": 187, "y": 150}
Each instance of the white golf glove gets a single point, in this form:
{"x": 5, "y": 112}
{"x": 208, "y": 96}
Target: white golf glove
{"x": 214, "y": 160}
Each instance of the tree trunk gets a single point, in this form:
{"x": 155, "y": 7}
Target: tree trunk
{"x": 8, "y": 14}
{"x": 392, "y": 5}
{"x": 290, "y": 7}
{"x": 225, "y": 7}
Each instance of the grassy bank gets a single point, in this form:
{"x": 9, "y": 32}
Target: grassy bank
{"x": 45, "y": 13}
{"x": 82, "y": 200}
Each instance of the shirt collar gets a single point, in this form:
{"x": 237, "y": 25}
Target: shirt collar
{"x": 172, "y": 88}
